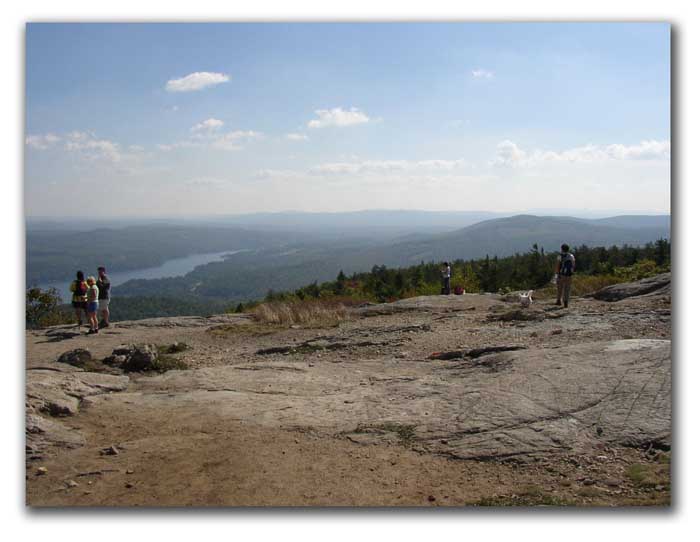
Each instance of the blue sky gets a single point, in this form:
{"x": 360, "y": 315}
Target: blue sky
{"x": 197, "y": 119}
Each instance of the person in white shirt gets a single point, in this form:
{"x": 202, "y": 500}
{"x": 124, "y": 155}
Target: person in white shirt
{"x": 446, "y": 272}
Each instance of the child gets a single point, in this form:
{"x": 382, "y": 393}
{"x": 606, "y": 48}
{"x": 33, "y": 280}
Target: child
{"x": 93, "y": 293}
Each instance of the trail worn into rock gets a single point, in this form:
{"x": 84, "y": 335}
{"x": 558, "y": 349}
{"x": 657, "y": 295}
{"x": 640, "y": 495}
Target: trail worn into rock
{"x": 443, "y": 400}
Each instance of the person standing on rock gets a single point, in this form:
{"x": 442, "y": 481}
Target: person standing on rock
{"x": 446, "y": 272}
{"x": 564, "y": 270}
{"x": 103, "y": 285}
{"x": 93, "y": 294}
{"x": 79, "y": 300}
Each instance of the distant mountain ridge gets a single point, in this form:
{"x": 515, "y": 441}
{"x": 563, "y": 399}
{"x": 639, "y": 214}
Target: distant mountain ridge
{"x": 506, "y": 236}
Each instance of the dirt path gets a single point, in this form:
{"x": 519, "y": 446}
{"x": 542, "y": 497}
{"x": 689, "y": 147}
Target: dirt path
{"x": 360, "y": 416}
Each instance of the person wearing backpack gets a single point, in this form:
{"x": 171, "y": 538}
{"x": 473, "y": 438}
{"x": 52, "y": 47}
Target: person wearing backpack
{"x": 79, "y": 299}
{"x": 566, "y": 265}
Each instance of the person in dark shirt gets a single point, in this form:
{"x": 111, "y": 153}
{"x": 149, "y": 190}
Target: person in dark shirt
{"x": 104, "y": 285}
{"x": 564, "y": 270}
{"x": 79, "y": 299}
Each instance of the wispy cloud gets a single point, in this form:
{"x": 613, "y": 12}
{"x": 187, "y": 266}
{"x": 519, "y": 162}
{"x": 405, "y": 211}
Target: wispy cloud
{"x": 196, "y": 81}
{"x": 206, "y": 182}
{"x": 92, "y": 147}
{"x": 208, "y": 125}
{"x": 297, "y": 137}
{"x": 482, "y": 74}
{"x": 338, "y": 117}
{"x": 42, "y": 142}
{"x": 206, "y": 134}
{"x": 384, "y": 166}
{"x": 510, "y": 155}
{"x": 232, "y": 140}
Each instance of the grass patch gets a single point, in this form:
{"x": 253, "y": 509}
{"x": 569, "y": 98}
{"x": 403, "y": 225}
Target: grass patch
{"x": 647, "y": 476}
{"x": 168, "y": 363}
{"x": 406, "y": 433}
{"x": 580, "y": 285}
{"x": 589, "y": 492}
{"x": 530, "y": 496}
{"x": 308, "y": 313}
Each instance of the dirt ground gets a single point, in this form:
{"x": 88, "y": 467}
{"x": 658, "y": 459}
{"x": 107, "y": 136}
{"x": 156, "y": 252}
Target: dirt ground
{"x": 249, "y": 451}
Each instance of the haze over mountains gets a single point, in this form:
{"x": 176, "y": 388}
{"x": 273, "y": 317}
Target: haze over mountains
{"x": 289, "y": 250}
{"x": 506, "y": 236}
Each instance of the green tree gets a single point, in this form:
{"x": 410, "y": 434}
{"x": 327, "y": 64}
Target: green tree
{"x": 43, "y": 308}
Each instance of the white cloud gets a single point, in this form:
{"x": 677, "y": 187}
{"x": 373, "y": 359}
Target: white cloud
{"x": 42, "y": 142}
{"x": 510, "y": 155}
{"x": 482, "y": 74}
{"x": 338, "y": 117}
{"x": 196, "y": 81}
{"x": 232, "y": 141}
{"x": 91, "y": 147}
{"x": 297, "y": 137}
{"x": 205, "y": 134}
{"x": 208, "y": 125}
{"x": 646, "y": 150}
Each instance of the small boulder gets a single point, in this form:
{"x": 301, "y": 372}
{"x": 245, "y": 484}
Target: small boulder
{"x": 141, "y": 357}
{"x": 77, "y": 358}
{"x": 115, "y": 360}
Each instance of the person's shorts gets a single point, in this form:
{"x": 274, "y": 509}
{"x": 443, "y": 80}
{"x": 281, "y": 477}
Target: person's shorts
{"x": 79, "y": 304}
{"x": 104, "y": 304}
{"x": 92, "y": 306}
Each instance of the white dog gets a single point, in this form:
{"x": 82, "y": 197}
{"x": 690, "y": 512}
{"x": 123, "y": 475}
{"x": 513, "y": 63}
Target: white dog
{"x": 526, "y": 299}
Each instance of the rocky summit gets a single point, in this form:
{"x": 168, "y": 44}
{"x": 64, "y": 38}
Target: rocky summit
{"x": 429, "y": 401}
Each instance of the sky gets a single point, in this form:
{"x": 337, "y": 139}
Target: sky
{"x": 163, "y": 120}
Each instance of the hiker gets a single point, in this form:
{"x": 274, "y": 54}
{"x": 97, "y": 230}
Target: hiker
{"x": 79, "y": 299}
{"x": 566, "y": 265}
{"x": 103, "y": 285}
{"x": 93, "y": 294}
{"x": 445, "y": 278}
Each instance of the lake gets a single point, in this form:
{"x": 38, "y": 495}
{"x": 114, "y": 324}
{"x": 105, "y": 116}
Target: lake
{"x": 176, "y": 267}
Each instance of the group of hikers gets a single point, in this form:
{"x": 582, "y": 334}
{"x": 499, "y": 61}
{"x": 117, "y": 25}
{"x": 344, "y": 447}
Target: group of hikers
{"x": 563, "y": 271}
{"x": 92, "y": 295}
{"x": 89, "y": 297}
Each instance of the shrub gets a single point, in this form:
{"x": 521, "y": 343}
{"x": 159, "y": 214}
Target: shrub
{"x": 641, "y": 270}
{"x": 43, "y": 308}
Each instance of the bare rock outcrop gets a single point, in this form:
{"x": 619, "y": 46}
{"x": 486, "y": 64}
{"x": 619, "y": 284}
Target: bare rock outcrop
{"x": 52, "y": 394}
{"x": 657, "y": 285}
{"x": 522, "y": 403}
